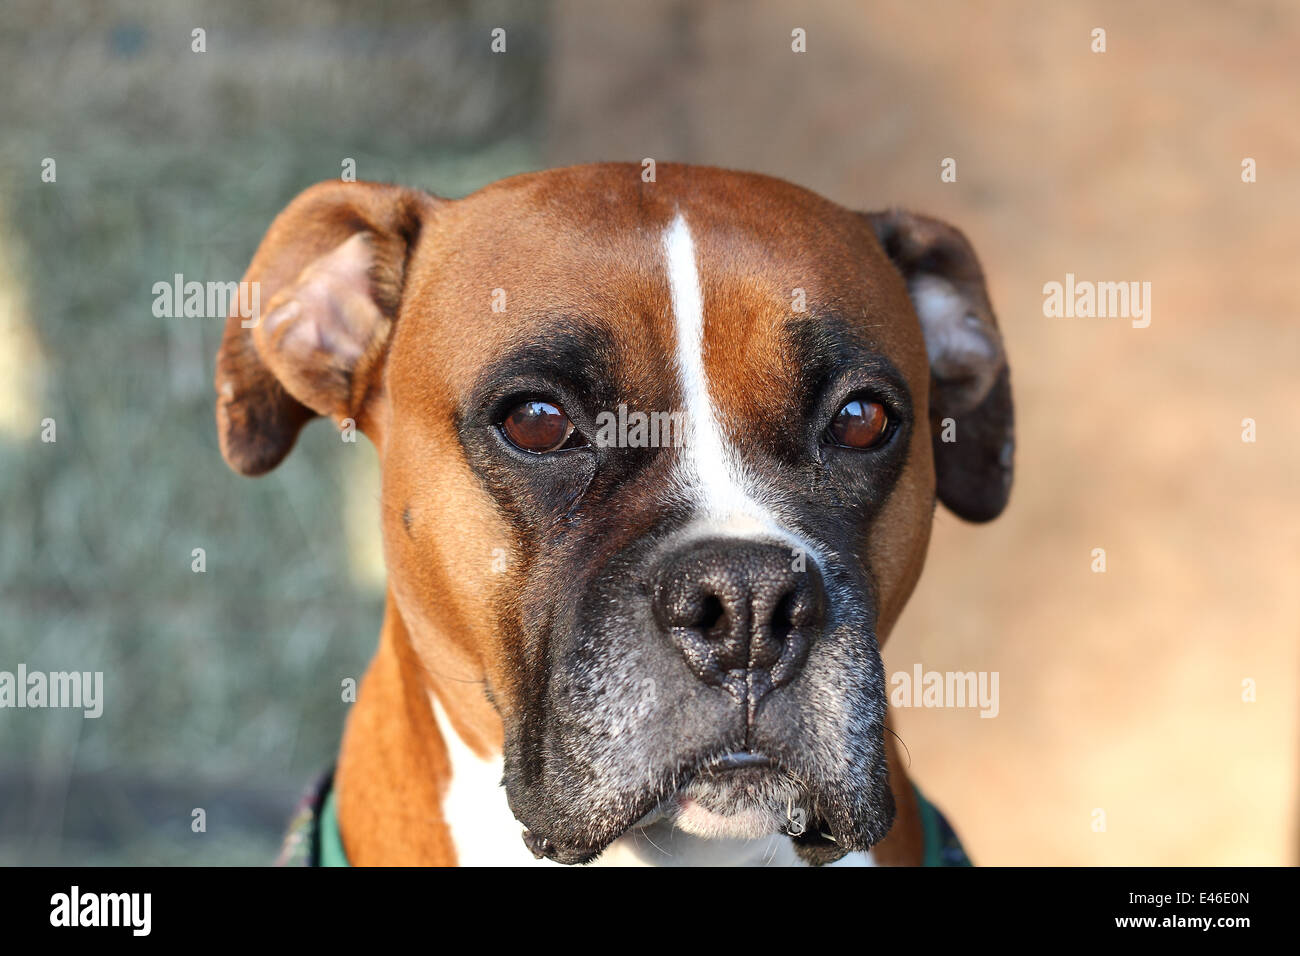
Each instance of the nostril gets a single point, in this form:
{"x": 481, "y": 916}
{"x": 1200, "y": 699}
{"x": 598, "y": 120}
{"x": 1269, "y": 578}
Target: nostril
{"x": 783, "y": 617}
{"x": 711, "y": 614}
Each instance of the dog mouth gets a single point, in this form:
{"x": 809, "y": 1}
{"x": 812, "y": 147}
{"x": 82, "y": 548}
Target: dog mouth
{"x": 604, "y": 759}
{"x": 742, "y": 795}
{"x": 747, "y": 795}
{"x": 738, "y": 760}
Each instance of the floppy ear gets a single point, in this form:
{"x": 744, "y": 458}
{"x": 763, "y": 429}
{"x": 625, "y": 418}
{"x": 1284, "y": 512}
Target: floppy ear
{"x": 329, "y": 276}
{"x": 970, "y": 382}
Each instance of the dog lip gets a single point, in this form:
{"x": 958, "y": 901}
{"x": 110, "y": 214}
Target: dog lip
{"x": 738, "y": 760}
{"x": 569, "y": 853}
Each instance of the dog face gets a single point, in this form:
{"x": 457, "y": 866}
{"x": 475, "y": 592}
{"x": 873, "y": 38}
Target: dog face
{"x": 659, "y": 462}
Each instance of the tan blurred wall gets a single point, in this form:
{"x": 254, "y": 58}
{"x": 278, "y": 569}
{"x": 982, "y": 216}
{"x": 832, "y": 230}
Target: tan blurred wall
{"x": 1119, "y": 691}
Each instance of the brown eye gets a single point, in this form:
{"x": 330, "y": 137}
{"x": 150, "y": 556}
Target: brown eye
{"x": 537, "y": 427}
{"x": 859, "y": 424}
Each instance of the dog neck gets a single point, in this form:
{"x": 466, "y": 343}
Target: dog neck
{"x": 393, "y": 766}
{"x": 412, "y": 792}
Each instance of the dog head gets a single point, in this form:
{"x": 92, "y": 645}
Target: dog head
{"x": 659, "y": 463}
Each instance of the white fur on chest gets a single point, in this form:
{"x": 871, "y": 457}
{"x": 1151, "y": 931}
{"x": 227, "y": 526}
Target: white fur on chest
{"x": 487, "y": 834}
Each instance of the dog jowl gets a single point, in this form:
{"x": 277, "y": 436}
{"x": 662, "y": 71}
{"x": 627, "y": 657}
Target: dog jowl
{"x": 648, "y": 636}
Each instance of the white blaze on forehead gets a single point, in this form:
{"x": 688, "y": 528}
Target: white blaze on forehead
{"x": 711, "y": 470}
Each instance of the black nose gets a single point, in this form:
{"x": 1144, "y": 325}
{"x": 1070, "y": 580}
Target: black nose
{"x": 743, "y": 613}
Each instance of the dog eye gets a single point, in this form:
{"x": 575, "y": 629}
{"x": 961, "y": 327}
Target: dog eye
{"x": 859, "y": 424}
{"x": 537, "y": 427}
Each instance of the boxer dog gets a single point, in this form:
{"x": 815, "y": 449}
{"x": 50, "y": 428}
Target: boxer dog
{"x": 629, "y": 650}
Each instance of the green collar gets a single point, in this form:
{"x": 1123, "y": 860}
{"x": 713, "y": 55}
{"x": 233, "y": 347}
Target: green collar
{"x": 330, "y": 851}
{"x": 941, "y": 846}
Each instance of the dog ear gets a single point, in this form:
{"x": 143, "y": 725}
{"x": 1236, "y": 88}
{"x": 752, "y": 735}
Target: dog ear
{"x": 970, "y": 382}
{"x": 327, "y": 278}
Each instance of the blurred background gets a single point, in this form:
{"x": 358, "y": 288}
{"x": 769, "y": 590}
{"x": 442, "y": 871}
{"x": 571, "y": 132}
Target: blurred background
{"x": 1120, "y": 692}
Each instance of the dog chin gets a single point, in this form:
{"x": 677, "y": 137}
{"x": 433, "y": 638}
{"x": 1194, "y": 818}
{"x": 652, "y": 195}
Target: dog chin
{"x": 747, "y": 823}
{"x": 745, "y": 804}
{"x": 740, "y": 797}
